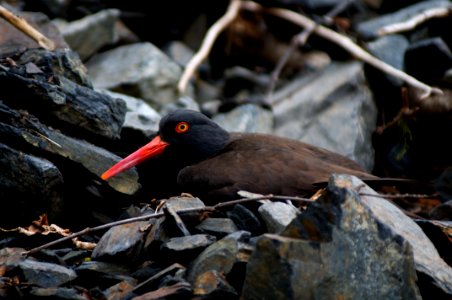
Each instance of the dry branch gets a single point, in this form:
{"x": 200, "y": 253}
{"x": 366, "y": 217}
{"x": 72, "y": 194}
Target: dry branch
{"x": 345, "y": 43}
{"x": 437, "y": 12}
{"x": 207, "y": 43}
{"x": 21, "y": 24}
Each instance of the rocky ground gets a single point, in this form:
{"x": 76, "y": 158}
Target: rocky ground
{"x": 68, "y": 113}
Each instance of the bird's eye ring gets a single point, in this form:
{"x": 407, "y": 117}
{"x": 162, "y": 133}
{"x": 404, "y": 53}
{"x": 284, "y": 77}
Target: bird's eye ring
{"x": 182, "y": 127}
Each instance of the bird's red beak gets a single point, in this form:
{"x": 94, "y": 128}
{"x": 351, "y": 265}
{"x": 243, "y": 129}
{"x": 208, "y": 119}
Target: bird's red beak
{"x": 154, "y": 147}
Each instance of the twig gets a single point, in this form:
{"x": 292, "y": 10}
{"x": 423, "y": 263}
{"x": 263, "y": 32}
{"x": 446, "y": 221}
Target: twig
{"x": 21, "y": 24}
{"x": 180, "y": 224}
{"x": 416, "y": 20}
{"x": 212, "y": 34}
{"x": 345, "y": 43}
{"x": 397, "y": 196}
{"x": 157, "y": 215}
{"x": 297, "y": 41}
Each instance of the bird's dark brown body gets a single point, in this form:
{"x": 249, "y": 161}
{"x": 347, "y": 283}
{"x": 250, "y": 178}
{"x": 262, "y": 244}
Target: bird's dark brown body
{"x": 196, "y": 156}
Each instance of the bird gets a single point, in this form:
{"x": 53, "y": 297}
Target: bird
{"x": 190, "y": 153}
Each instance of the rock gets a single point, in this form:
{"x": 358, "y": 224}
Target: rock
{"x": 332, "y": 108}
{"x": 12, "y": 39}
{"x": 45, "y": 274}
{"x": 140, "y": 70}
{"x": 213, "y": 285}
{"x": 61, "y": 99}
{"x": 185, "y": 248}
{"x": 217, "y": 226}
{"x": 245, "y": 219}
{"x": 131, "y": 237}
{"x": 277, "y": 215}
{"x": 390, "y": 49}
{"x": 58, "y": 293}
{"x": 335, "y": 249}
{"x": 223, "y": 256}
{"x": 428, "y": 59}
{"x": 426, "y": 257}
{"x": 35, "y": 182}
{"x": 88, "y": 35}
{"x": 246, "y": 118}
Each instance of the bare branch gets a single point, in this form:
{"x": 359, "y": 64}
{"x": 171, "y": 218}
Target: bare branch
{"x": 207, "y": 43}
{"x": 437, "y": 12}
{"x": 157, "y": 215}
{"x": 21, "y": 24}
{"x": 345, "y": 43}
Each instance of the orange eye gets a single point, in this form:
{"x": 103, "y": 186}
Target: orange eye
{"x": 182, "y": 127}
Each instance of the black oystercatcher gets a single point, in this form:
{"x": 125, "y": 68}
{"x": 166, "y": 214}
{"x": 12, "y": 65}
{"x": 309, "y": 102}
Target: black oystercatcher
{"x": 192, "y": 154}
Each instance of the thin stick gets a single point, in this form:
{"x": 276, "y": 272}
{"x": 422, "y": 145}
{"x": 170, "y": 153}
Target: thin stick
{"x": 345, "y": 43}
{"x": 300, "y": 40}
{"x": 207, "y": 43}
{"x": 415, "y": 21}
{"x": 21, "y": 24}
{"x": 157, "y": 215}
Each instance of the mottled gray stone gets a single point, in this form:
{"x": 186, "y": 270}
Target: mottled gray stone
{"x": 46, "y": 274}
{"x": 221, "y": 256}
{"x": 141, "y": 70}
{"x": 122, "y": 242}
{"x": 217, "y": 226}
{"x": 89, "y": 34}
{"x": 335, "y": 249}
{"x": 277, "y": 215}
{"x": 333, "y": 108}
{"x": 246, "y": 118}
{"x": 426, "y": 257}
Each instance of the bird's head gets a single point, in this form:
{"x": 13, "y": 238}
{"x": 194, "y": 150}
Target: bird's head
{"x": 187, "y": 133}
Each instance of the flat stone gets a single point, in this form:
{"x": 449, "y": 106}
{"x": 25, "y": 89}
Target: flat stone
{"x": 217, "y": 226}
{"x": 277, "y": 215}
{"x": 332, "y": 108}
{"x": 141, "y": 70}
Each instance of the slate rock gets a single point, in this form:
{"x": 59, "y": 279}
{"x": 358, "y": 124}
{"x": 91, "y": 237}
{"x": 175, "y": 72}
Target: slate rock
{"x": 221, "y": 256}
{"x": 45, "y": 274}
{"x": 88, "y": 35}
{"x": 245, "y": 219}
{"x": 58, "y": 293}
{"x": 141, "y": 70}
{"x": 277, "y": 215}
{"x": 335, "y": 249}
{"x": 29, "y": 186}
{"x": 217, "y": 226}
{"x": 426, "y": 257}
{"x": 332, "y": 108}
{"x": 121, "y": 243}
{"x": 60, "y": 99}
{"x": 246, "y": 118}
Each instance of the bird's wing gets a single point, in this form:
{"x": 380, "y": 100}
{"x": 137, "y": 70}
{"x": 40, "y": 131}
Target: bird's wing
{"x": 270, "y": 168}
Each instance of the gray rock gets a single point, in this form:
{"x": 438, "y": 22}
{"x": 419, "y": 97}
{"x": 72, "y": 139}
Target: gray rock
{"x": 122, "y": 242}
{"x": 221, "y": 256}
{"x": 179, "y": 52}
{"x": 277, "y": 215}
{"x": 36, "y": 181}
{"x": 336, "y": 248}
{"x": 333, "y": 109}
{"x": 246, "y": 118}
{"x": 141, "y": 70}
{"x": 245, "y": 219}
{"x": 63, "y": 92}
{"x": 390, "y": 49}
{"x": 188, "y": 242}
{"x": 45, "y": 274}
{"x": 57, "y": 293}
{"x": 217, "y": 226}
{"x": 140, "y": 115}
{"x": 89, "y": 34}
{"x": 426, "y": 257}
{"x": 212, "y": 284}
